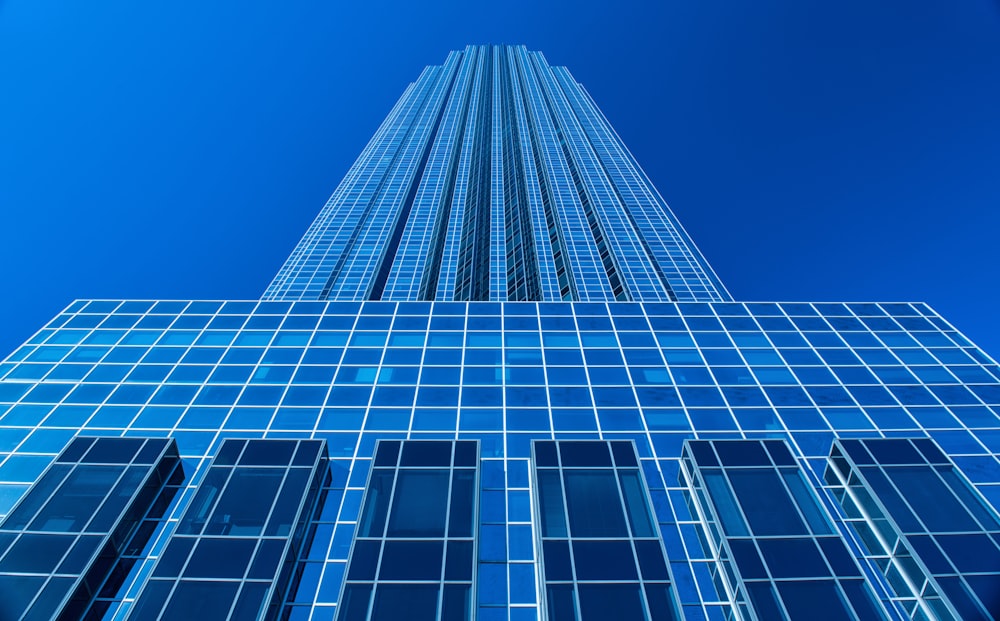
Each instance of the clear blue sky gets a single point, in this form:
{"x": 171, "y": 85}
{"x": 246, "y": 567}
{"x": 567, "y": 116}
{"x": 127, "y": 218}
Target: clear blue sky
{"x": 815, "y": 150}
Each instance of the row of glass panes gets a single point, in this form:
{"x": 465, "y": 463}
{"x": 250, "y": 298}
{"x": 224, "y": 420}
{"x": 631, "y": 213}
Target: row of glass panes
{"x": 266, "y": 307}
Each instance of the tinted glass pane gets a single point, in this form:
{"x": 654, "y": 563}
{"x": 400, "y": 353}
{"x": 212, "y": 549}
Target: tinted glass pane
{"x": 411, "y": 560}
{"x": 724, "y": 503}
{"x": 269, "y": 555}
{"x": 208, "y": 493}
{"x": 288, "y": 502}
{"x": 813, "y": 601}
{"x": 459, "y": 562}
{"x": 200, "y": 600}
{"x": 557, "y": 561}
{"x": 599, "y": 602}
{"x": 465, "y": 453}
{"x": 251, "y": 600}
{"x": 426, "y": 454}
{"x": 151, "y": 599}
{"x": 76, "y": 449}
{"x": 80, "y": 555}
{"x": 36, "y": 553}
{"x": 593, "y": 504}
{"x": 742, "y": 453}
{"x": 767, "y": 505}
{"x": 862, "y": 600}
{"x": 36, "y": 497}
{"x": 388, "y": 453}
{"x": 661, "y": 606}
{"x": 559, "y": 601}
{"x": 267, "y": 453}
{"x": 462, "y": 503}
{"x": 420, "y": 504}
{"x": 354, "y": 605}
{"x": 113, "y": 451}
{"x": 77, "y": 500}
{"x": 220, "y": 558}
{"x": 807, "y": 502}
{"x": 111, "y": 511}
{"x": 246, "y": 502}
{"x": 48, "y": 601}
{"x": 456, "y": 603}
{"x": 550, "y": 500}
{"x": 747, "y": 559}
{"x": 584, "y": 454}
{"x": 545, "y": 454}
{"x": 651, "y": 560}
{"x": 793, "y": 558}
{"x": 931, "y": 499}
{"x": 416, "y": 602}
{"x": 372, "y": 522}
{"x": 636, "y": 505}
{"x": 174, "y": 556}
{"x": 888, "y": 452}
{"x": 604, "y": 560}
{"x": 763, "y": 601}
{"x": 624, "y": 454}
{"x": 16, "y": 592}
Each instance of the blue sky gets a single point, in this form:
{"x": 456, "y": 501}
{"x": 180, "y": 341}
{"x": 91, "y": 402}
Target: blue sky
{"x": 815, "y": 150}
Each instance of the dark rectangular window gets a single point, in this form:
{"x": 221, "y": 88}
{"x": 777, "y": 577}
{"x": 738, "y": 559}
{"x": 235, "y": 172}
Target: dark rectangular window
{"x": 414, "y": 552}
{"x": 232, "y": 555}
{"x": 66, "y": 547}
{"x": 602, "y": 556}
{"x": 921, "y": 522}
{"x": 777, "y": 550}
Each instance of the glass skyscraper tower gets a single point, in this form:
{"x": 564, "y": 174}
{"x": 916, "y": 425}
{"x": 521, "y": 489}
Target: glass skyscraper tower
{"x": 496, "y": 380}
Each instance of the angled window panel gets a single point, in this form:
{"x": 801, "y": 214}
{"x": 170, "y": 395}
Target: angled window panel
{"x": 70, "y": 539}
{"x": 922, "y": 523}
{"x": 414, "y": 552}
{"x": 232, "y": 555}
{"x": 778, "y": 554}
{"x": 601, "y": 552}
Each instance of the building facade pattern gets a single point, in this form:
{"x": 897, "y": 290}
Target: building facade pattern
{"x": 495, "y": 177}
{"x": 496, "y": 381}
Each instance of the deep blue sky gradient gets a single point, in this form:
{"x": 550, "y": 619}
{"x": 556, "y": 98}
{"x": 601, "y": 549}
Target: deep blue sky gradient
{"x": 815, "y": 150}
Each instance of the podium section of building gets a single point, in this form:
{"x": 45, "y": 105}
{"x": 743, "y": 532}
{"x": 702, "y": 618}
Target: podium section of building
{"x": 509, "y": 377}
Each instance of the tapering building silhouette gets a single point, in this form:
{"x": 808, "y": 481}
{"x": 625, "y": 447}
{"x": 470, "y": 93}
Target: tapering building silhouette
{"x": 496, "y": 380}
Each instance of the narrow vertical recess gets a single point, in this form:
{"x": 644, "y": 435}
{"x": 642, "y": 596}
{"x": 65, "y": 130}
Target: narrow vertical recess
{"x": 607, "y": 256}
{"x": 564, "y": 273}
{"x": 373, "y": 202}
{"x": 432, "y": 267}
{"x": 472, "y": 281}
{"x": 389, "y": 253}
{"x": 522, "y": 262}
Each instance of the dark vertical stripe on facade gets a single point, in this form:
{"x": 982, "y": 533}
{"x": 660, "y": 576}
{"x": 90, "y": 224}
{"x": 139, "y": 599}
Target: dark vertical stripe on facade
{"x": 607, "y": 255}
{"x": 342, "y": 259}
{"x": 432, "y": 266}
{"x": 628, "y": 213}
{"x": 564, "y": 273}
{"x": 389, "y": 253}
{"x": 472, "y": 280}
{"x": 523, "y": 280}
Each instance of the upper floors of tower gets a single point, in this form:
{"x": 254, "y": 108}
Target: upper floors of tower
{"x": 496, "y": 177}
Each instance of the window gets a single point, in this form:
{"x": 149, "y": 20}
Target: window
{"x": 602, "y": 556}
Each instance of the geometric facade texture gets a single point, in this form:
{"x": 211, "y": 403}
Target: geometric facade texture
{"x": 496, "y": 380}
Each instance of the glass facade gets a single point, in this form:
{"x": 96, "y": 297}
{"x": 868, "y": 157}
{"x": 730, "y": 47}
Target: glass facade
{"x": 496, "y": 381}
{"x": 74, "y": 537}
{"x": 414, "y": 549}
{"x": 233, "y": 553}
{"x": 923, "y": 525}
{"x": 495, "y": 177}
{"x": 772, "y": 540}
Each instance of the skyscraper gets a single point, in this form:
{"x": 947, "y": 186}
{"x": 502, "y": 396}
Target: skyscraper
{"x": 496, "y": 380}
